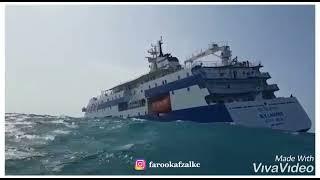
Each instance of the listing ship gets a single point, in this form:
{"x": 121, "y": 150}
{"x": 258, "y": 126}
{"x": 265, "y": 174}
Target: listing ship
{"x": 211, "y": 86}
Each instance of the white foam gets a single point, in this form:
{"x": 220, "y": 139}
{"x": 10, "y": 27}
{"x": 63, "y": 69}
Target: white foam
{"x": 34, "y": 139}
{"x": 294, "y": 133}
{"x": 29, "y": 136}
{"x": 109, "y": 155}
{"x": 137, "y": 119}
{"x": 126, "y": 147}
{"x": 52, "y": 165}
{"x": 48, "y": 137}
{"x": 12, "y": 153}
{"x": 59, "y": 131}
{"x": 233, "y": 123}
{"x": 72, "y": 125}
{"x": 20, "y": 123}
{"x": 11, "y": 128}
{"x": 115, "y": 127}
{"x": 59, "y": 121}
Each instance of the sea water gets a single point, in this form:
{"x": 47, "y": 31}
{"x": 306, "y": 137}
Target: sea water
{"x": 62, "y": 145}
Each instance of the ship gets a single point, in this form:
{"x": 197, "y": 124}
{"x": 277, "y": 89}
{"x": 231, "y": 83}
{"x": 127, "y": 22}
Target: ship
{"x": 210, "y": 86}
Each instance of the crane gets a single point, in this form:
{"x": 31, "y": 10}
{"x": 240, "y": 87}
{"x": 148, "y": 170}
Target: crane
{"x": 213, "y": 48}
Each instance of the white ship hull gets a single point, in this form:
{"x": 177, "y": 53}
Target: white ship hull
{"x": 233, "y": 91}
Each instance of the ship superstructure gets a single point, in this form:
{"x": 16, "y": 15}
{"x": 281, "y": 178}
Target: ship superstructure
{"x": 202, "y": 90}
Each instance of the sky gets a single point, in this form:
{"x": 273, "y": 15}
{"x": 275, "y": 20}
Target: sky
{"x": 58, "y": 57}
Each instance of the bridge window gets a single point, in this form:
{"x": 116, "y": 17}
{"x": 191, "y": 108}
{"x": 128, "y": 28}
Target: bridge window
{"x": 188, "y": 74}
{"x": 141, "y": 91}
{"x": 155, "y": 85}
{"x": 149, "y": 87}
{"x": 178, "y": 77}
{"x": 165, "y": 81}
{"x": 172, "y": 92}
{"x": 188, "y": 89}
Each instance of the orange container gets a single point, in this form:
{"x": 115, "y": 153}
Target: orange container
{"x": 162, "y": 105}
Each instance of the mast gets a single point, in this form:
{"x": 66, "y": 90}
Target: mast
{"x": 158, "y": 60}
{"x": 160, "y": 46}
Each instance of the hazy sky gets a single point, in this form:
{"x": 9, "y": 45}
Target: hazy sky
{"x": 57, "y": 57}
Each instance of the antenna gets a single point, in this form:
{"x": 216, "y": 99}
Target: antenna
{"x": 160, "y": 46}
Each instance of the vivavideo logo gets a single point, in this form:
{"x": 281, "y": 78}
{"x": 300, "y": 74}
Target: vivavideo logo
{"x": 140, "y": 165}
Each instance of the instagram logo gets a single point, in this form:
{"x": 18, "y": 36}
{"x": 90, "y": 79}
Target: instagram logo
{"x": 140, "y": 165}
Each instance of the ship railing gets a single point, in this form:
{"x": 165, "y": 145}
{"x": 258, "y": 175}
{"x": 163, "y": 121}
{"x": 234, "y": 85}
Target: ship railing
{"x": 220, "y": 64}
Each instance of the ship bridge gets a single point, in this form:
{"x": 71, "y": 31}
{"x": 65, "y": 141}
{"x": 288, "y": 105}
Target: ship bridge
{"x": 230, "y": 79}
{"x": 159, "y": 61}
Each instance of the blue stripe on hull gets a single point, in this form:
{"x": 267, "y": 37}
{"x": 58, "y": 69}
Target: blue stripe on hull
{"x": 203, "y": 114}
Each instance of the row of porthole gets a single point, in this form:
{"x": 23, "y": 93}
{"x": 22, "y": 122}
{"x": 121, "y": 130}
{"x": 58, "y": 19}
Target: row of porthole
{"x": 188, "y": 89}
{"x": 115, "y": 95}
{"x": 114, "y": 98}
{"x": 165, "y": 81}
{"x": 156, "y": 85}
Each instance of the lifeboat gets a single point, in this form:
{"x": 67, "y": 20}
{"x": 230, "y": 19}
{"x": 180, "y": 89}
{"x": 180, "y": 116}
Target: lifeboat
{"x": 162, "y": 105}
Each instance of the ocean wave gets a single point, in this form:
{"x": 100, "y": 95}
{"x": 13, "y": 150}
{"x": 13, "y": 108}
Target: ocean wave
{"x": 124, "y": 147}
{"x": 36, "y": 137}
{"x": 52, "y": 165}
{"x": 20, "y": 123}
{"x": 58, "y": 121}
{"x": 118, "y": 126}
{"x": 15, "y": 154}
{"x": 71, "y": 125}
{"x": 54, "y": 145}
{"x": 59, "y": 131}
